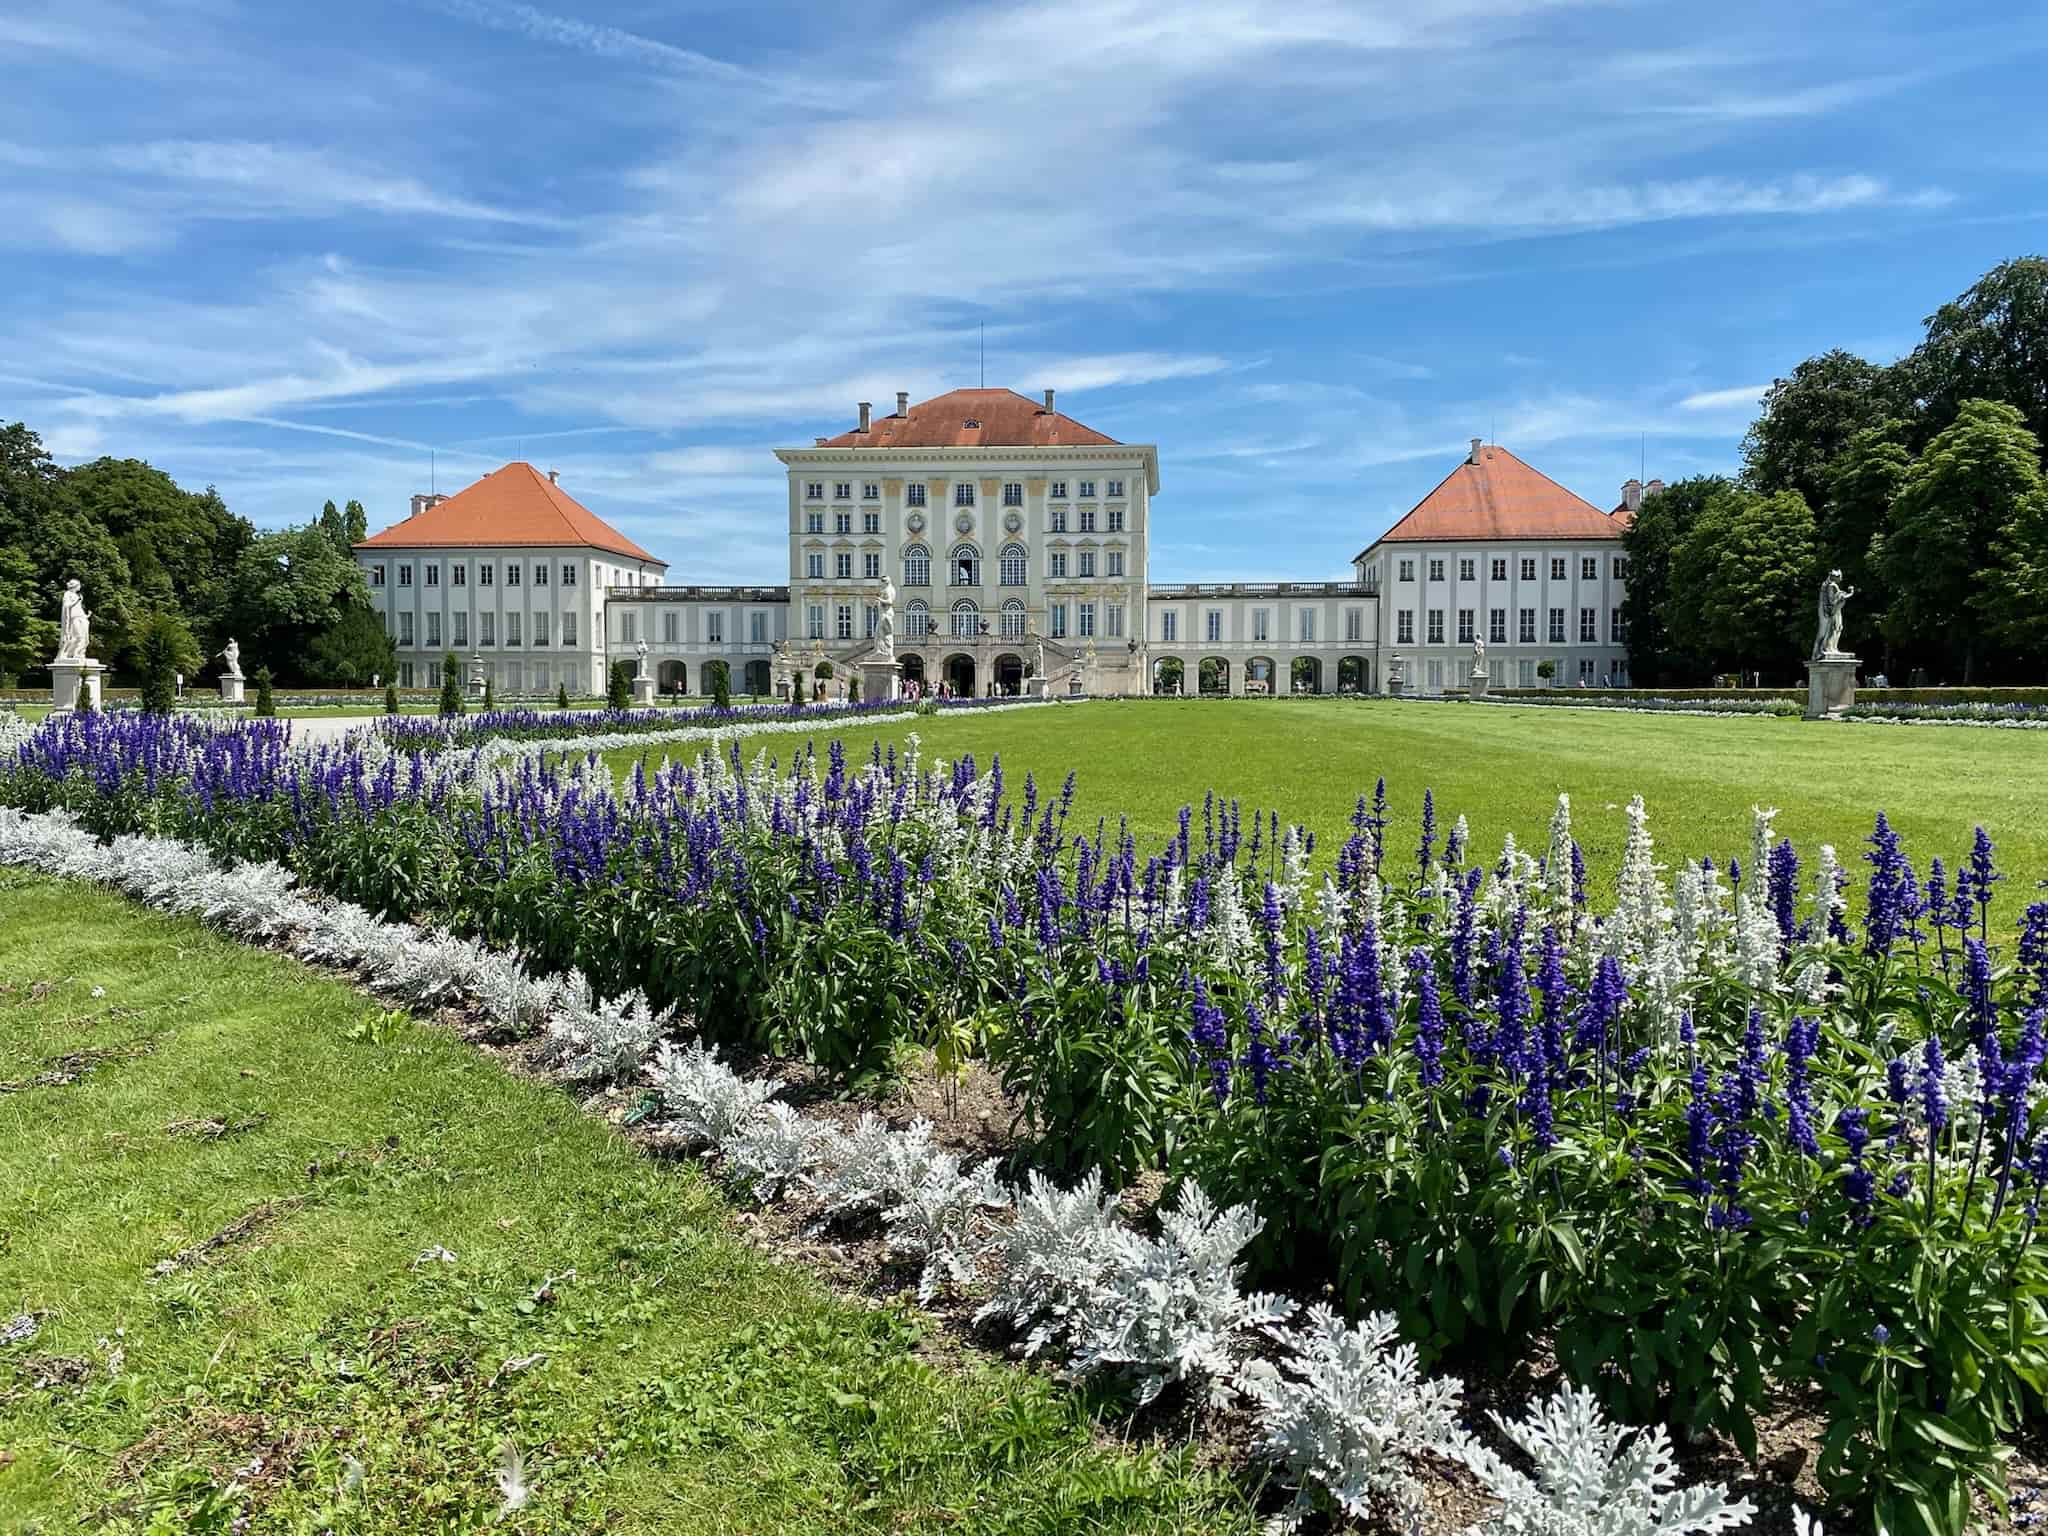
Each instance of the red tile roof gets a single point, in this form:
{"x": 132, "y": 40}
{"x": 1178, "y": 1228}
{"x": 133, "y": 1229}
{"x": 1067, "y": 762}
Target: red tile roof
{"x": 516, "y": 505}
{"x": 1500, "y": 498}
{"x": 973, "y": 418}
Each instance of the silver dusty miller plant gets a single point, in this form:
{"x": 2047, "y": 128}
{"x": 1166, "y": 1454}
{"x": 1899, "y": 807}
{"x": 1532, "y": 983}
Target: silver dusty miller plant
{"x": 707, "y": 1102}
{"x": 774, "y": 1149}
{"x": 1345, "y": 1413}
{"x": 931, "y": 1208}
{"x": 598, "y": 1040}
{"x": 1051, "y": 1259}
{"x": 1169, "y": 1308}
{"x": 1594, "y": 1478}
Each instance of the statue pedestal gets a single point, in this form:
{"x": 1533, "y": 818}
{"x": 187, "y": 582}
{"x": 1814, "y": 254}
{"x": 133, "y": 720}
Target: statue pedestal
{"x": 1475, "y": 685}
{"x": 68, "y": 675}
{"x": 880, "y": 680}
{"x": 1830, "y": 685}
{"x": 231, "y": 690}
{"x": 643, "y": 691}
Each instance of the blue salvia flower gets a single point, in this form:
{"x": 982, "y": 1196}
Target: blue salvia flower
{"x": 1979, "y": 1008}
{"x": 2032, "y": 955}
{"x": 1429, "y": 1018}
{"x": 1858, "y": 1183}
{"x": 1258, "y": 1058}
{"x": 1699, "y": 1115}
{"x": 1422, "y": 854}
{"x": 1272, "y": 922}
{"x": 1802, "y": 1039}
{"x": 1931, "y": 1092}
{"x": 1578, "y": 876}
{"x": 1885, "y": 897}
{"x": 1210, "y": 1039}
{"x": 1782, "y": 887}
{"x": 1983, "y": 875}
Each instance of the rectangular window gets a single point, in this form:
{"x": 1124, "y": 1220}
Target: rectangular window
{"x": 1058, "y": 612}
{"x": 487, "y": 628}
{"x": 1436, "y": 677}
{"x": 540, "y": 575}
{"x": 871, "y": 522}
{"x": 540, "y": 628}
{"x": 405, "y": 628}
{"x": 1214, "y": 626}
{"x": 1260, "y": 618}
{"x": 512, "y": 628}
{"x": 458, "y": 575}
{"x": 433, "y": 574}
{"x": 814, "y": 490}
{"x": 842, "y": 490}
{"x": 1407, "y": 570}
{"x": 512, "y": 573}
{"x": 1013, "y": 493}
{"x": 376, "y": 575}
{"x": 873, "y": 617}
{"x": 486, "y": 574}
{"x": 405, "y": 575}
{"x": 1586, "y": 669}
{"x": 1087, "y": 617}
{"x": 1617, "y": 627}
{"x": 871, "y": 490}
{"x": 814, "y": 567}
{"x": 1087, "y": 519}
{"x": 434, "y": 630}
{"x": 405, "y": 674}
{"x": 714, "y": 626}
{"x": 1057, "y": 491}
{"x": 963, "y": 493}
{"x": 459, "y": 621}
{"x": 1057, "y": 565}
{"x": 842, "y": 621}
{"x": 1087, "y": 490}
{"x": 1589, "y": 568}
{"x": 668, "y": 626}
{"x": 1464, "y": 626}
{"x": 842, "y": 522}
{"x": 1467, "y": 568}
{"x": 1436, "y": 570}
{"x": 1404, "y": 627}
{"x": 1557, "y": 626}
{"x": 814, "y": 621}
{"x": 871, "y": 566}
{"x": 1621, "y": 567}
{"x": 1113, "y": 489}
{"x": 1308, "y": 626}
{"x": 1058, "y": 522}
{"x": 1115, "y": 515}
{"x": 1113, "y": 621}
{"x": 1169, "y": 625}
{"x": 814, "y": 521}
{"x": 842, "y": 567}
{"x": 1525, "y": 626}
{"x": 1436, "y": 626}
{"x": 1500, "y": 568}
{"x": 913, "y": 494}
{"x": 1589, "y": 625}
{"x": 1497, "y": 626}
{"x": 1113, "y": 563}
{"x": 1525, "y": 672}
{"x": 568, "y": 575}
{"x": 1528, "y": 567}
{"x": 1557, "y": 567}
{"x": 1087, "y": 563}
{"x": 568, "y": 629}
{"x": 1354, "y": 625}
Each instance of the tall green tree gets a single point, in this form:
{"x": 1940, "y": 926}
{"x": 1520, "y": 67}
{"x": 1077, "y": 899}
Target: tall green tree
{"x": 351, "y": 650}
{"x": 40, "y": 517}
{"x": 1951, "y": 516}
{"x": 355, "y": 523}
{"x": 1660, "y": 526}
{"x": 332, "y": 528}
{"x": 1809, "y": 417}
{"x": 1743, "y": 582}
{"x": 1863, "y": 483}
{"x": 180, "y": 545}
{"x": 164, "y": 647}
{"x": 288, "y": 588}
{"x": 1988, "y": 343}
{"x": 28, "y": 636}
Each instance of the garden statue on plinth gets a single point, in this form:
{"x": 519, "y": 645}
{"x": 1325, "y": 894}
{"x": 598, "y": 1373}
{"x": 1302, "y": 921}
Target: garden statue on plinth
{"x": 1830, "y": 671}
{"x": 880, "y": 677}
{"x": 1475, "y": 685}
{"x": 231, "y": 678}
{"x": 643, "y": 685}
{"x": 74, "y": 676}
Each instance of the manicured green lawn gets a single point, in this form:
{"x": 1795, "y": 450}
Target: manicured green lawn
{"x": 1503, "y": 767}
{"x": 246, "y": 1201}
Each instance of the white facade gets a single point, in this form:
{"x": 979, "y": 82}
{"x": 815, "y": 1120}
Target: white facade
{"x": 685, "y": 629}
{"x": 1276, "y": 638}
{"x": 531, "y": 618}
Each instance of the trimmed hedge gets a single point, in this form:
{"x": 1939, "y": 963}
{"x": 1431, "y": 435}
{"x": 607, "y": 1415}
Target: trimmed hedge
{"x": 1864, "y": 695}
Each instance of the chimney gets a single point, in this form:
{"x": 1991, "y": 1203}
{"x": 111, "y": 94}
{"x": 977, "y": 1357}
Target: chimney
{"x": 1632, "y": 494}
{"x": 1475, "y": 452}
{"x": 1652, "y": 488}
{"x": 866, "y": 413}
{"x": 1048, "y": 402}
{"x": 902, "y": 402}
{"x": 551, "y": 475}
{"x": 424, "y": 500}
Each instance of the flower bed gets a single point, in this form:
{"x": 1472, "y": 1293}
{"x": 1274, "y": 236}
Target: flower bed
{"x": 1721, "y": 1145}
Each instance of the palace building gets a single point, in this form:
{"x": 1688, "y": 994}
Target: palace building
{"x": 1018, "y": 542}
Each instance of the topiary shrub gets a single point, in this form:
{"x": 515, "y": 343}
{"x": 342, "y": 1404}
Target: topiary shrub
{"x": 391, "y": 698}
{"x": 618, "y": 692}
{"x": 490, "y": 695}
{"x": 451, "y": 685}
{"x": 562, "y": 696}
{"x": 266, "y": 704}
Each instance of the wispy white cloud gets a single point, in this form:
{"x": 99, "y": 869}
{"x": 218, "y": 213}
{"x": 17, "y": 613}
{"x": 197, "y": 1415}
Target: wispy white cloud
{"x": 1741, "y": 397}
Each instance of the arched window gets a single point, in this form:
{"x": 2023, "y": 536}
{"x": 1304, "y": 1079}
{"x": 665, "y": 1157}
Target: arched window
{"x": 1012, "y": 565}
{"x": 917, "y": 619}
{"x": 917, "y": 566}
{"x": 964, "y": 569}
{"x": 1013, "y": 619}
{"x": 966, "y": 619}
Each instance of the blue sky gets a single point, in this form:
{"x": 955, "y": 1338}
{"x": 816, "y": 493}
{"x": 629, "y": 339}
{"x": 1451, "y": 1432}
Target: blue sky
{"x": 1307, "y": 249}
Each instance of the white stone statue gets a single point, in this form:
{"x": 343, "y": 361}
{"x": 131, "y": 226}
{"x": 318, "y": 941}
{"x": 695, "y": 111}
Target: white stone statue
{"x": 1834, "y": 601}
{"x": 1038, "y": 655}
{"x": 1478, "y": 654}
{"x": 885, "y": 641}
{"x": 231, "y": 653}
{"x": 74, "y": 627}
{"x": 640, "y": 650}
